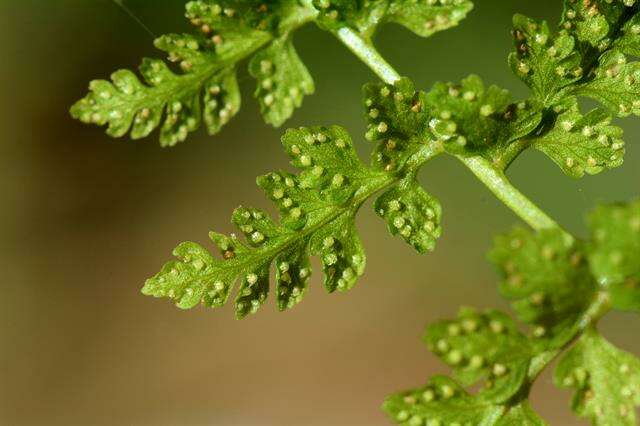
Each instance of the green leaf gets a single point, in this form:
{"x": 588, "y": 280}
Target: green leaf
{"x": 470, "y": 118}
{"x": 232, "y": 26}
{"x": 444, "y": 402}
{"x": 613, "y": 252}
{"x": 428, "y": 17}
{"x": 593, "y": 22}
{"x": 545, "y": 62}
{"x": 183, "y": 280}
{"x": 546, "y": 277}
{"x": 283, "y": 81}
{"x": 293, "y": 271}
{"x": 330, "y": 167}
{"x": 481, "y": 346}
{"x": 317, "y": 214}
{"x": 204, "y": 88}
{"x": 361, "y": 15}
{"x": 397, "y": 121}
{"x": 581, "y": 144}
{"x": 411, "y": 213}
{"x": 629, "y": 40}
{"x": 615, "y": 84}
{"x": 317, "y": 209}
{"x": 606, "y": 381}
{"x": 128, "y": 104}
{"x": 423, "y": 18}
{"x": 441, "y": 401}
{"x": 476, "y": 346}
{"x": 521, "y": 415}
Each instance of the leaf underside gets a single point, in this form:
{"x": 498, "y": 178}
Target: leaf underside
{"x": 201, "y": 87}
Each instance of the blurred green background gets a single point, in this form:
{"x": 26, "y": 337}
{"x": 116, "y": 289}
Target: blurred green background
{"x": 85, "y": 219}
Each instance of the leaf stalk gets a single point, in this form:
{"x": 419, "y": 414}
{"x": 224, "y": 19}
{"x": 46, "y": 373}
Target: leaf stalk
{"x": 487, "y": 173}
{"x": 499, "y": 185}
{"x": 368, "y": 54}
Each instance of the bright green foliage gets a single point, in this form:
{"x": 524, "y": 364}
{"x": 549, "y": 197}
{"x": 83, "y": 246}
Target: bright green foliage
{"x": 520, "y": 415}
{"x": 480, "y": 346}
{"x": 411, "y": 213}
{"x": 203, "y": 87}
{"x": 606, "y": 381}
{"x": 614, "y": 252}
{"x": 428, "y": 17}
{"x": 441, "y": 401}
{"x": 397, "y": 120}
{"x": 317, "y": 214}
{"x": 399, "y": 123}
{"x": 605, "y": 31}
{"x": 586, "y": 57}
{"x": 552, "y": 279}
{"x": 545, "y": 276}
{"x": 477, "y": 346}
{"x": 329, "y": 165}
{"x": 548, "y": 275}
{"x": 473, "y": 119}
{"x": 558, "y": 285}
{"x": 317, "y": 208}
{"x": 616, "y": 84}
{"x": 629, "y": 41}
{"x": 361, "y": 15}
{"x": 547, "y": 63}
{"x": 422, "y": 17}
{"x": 581, "y": 144}
{"x": 127, "y": 104}
{"x": 593, "y": 22}
{"x": 283, "y": 80}
{"x": 444, "y": 402}
{"x": 235, "y": 25}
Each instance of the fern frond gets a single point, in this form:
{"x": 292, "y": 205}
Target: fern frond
{"x": 317, "y": 215}
{"x": 424, "y": 18}
{"x": 606, "y": 381}
{"x": 202, "y": 87}
{"x": 477, "y": 346}
{"x": 317, "y": 207}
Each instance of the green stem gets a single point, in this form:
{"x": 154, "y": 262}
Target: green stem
{"x": 371, "y": 186}
{"x": 497, "y": 182}
{"x": 493, "y": 178}
{"x": 367, "y": 54}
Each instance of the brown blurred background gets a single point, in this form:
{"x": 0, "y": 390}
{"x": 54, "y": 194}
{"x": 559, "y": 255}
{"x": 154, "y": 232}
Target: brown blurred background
{"x": 85, "y": 219}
